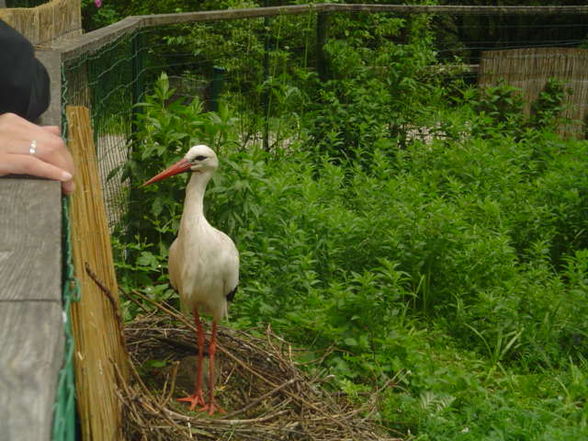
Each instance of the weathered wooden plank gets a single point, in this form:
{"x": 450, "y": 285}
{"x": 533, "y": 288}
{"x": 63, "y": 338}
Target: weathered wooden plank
{"x": 31, "y": 314}
{"x": 51, "y": 59}
{"x": 31, "y": 344}
{"x": 225, "y": 14}
{"x": 30, "y": 239}
{"x": 93, "y": 41}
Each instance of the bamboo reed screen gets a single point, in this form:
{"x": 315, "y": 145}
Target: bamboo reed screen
{"x": 529, "y": 70}
{"x": 99, "y": 346}
{"x": 47, "y": 22}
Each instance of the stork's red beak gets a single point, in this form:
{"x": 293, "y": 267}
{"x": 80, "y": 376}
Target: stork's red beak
{"x": 181, "y": 166}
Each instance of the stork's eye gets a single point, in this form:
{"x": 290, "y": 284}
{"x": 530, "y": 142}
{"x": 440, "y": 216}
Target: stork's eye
{"x": 200, "y": 158}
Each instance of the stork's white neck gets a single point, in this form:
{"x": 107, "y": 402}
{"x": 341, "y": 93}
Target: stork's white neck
{"x": 194, "y": 203}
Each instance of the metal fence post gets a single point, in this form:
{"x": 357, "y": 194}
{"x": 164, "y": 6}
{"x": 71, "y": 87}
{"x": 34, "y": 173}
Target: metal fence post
{"x": 266, "y": 92}
{"x": 137, "y": 43}
{"x": 322, "y": 27}
{"x": 216, "y": 86}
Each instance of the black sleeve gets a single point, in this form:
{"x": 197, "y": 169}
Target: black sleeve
{"x": 24, "y": 82}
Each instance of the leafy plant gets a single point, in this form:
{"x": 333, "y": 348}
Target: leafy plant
{"x": 447, "y": 275}
{"x": 501, "y": 108}
{"x": 546, "y": 110}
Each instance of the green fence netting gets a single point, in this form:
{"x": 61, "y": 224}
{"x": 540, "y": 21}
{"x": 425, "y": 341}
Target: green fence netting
{"x": 64, "y": 415}
{"x": 258, "y": 66}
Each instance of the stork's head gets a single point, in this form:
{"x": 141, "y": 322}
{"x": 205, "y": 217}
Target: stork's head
{"x": 199, "y": 159}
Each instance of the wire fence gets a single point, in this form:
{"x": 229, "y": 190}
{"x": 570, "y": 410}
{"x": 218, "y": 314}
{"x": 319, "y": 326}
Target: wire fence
{"x": 205, "y": 60}
{"x": 251, "y": 61}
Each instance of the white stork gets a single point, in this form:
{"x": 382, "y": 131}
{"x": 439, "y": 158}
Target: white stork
{"x": 203, "y": 263}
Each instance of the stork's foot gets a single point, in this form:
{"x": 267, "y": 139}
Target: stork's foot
{"x": 212, "y": 408}
{"x": 196, "y": 399}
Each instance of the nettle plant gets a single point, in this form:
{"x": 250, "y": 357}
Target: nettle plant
{"x": 500, "y": 107}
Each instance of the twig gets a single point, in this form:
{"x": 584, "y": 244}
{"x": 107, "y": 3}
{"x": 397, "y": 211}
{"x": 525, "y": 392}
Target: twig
{"x": 245, "y": 421}
{"x": 172, "y": 387}
{"x": 263, "y": 397}
{"x": 135, "y": 301}
{"x": 112, "y": 300}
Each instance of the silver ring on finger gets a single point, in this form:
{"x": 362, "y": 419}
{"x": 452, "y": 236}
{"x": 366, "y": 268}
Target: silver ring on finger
{"x": 33, "y": 147}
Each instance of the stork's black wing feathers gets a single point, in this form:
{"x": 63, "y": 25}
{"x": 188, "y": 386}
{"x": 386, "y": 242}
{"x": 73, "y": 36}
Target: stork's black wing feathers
{"x": 231, "y": 295}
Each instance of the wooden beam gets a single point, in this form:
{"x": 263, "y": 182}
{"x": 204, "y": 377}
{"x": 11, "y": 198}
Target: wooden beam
{"x": 51, "y": 59}
{"x": 93, "y": 41}
{"x": 31, "y": 313}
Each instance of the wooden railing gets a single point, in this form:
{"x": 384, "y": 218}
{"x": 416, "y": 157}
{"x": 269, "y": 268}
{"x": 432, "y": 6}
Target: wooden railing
{"x": 31, "y": 311}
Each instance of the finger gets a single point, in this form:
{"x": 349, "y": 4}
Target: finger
{"x": 52, "y": 150}
{"x": 20, "y": 133}
{"x": 68, "y": 187}
{"x": 29, "y": 165}
{"x": 16, "y": 139}
{"x": 54, "y": 130}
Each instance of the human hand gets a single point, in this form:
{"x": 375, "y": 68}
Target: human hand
{"x": 50, "y": 159}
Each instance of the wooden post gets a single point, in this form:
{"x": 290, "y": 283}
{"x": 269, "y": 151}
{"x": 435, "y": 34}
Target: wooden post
{"x": 322, "y": 25}
{"x": 51, "y": 59}
{"x": 31, "y": 314}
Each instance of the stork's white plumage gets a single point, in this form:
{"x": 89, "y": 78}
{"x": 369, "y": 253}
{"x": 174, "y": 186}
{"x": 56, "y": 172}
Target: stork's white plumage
{"x": 203, "y": 263}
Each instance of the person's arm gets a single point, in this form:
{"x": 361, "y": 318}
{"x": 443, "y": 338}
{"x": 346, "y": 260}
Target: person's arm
{"x": 24, "y": 82}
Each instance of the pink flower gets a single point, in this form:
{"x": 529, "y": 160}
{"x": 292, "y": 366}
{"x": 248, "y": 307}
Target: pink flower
{"x": 98, "y": 3}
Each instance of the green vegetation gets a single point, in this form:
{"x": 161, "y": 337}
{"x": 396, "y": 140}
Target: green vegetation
{"x": 447, "y": 270}
{"x": 455, "y": 272}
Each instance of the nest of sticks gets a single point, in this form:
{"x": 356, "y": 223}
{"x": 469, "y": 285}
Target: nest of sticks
{"x": 266, "y": 394}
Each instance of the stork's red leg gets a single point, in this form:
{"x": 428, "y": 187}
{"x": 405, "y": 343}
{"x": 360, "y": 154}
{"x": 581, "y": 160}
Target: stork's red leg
{"x": 197, "y": 398}
{"x": 212, "y": 407}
